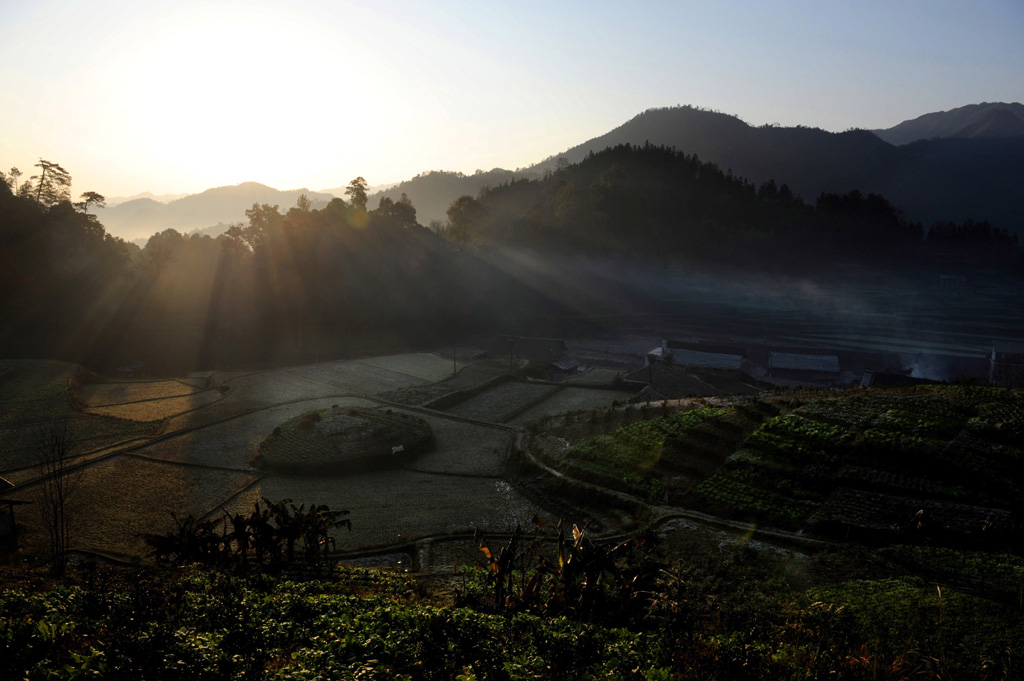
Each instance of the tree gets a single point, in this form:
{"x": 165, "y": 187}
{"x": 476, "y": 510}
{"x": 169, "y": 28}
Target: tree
{"x": 465, "y": 217}
{"x": 390, "y": 213}
{"x": 53, "y": 183}
{"x": 303, "y": 203}
{"x": 356, "y": 191}
{"x": 264, "y": 224}
{"x": 12, "y": 180}
{"x": 160, "y": 249}
{"x": 91, "y": 199}
{"x": 55, "y": 448}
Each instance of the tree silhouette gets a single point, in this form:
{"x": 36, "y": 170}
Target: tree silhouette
{"x": 11, "y": 179}
{"x": 55, "y": 447}
{"x": 356, "y": 191}
{"x": 91, "y": 199}
{"x": 53, "y": 183}
{"x": 465, "y": 216}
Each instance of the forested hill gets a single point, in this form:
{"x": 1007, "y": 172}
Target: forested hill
{"x": 951, "y": 179}
{"x": 653, "y": 202}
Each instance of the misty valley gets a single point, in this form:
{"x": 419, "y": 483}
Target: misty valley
{"x": 634, "y": 412}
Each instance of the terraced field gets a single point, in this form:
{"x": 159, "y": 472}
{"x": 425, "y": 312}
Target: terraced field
{"x": 157, "y": 409}
{"x": 502, "y": 402}
{"x": 571, "y": 399}
{"x": 944, "y": 463}
{"x": 202, "y": 455}
{"x": 431, "y": 368}
{"x": 932, "y": 464}
{"x": 234, "y": 443}
{"x": 120, "y": 392}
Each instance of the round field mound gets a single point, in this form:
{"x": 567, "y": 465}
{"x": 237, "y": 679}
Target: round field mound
{"x": 344, "y": 439}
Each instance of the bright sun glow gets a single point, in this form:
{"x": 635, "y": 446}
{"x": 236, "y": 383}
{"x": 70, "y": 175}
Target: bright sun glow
{"x": 247, "y": 95}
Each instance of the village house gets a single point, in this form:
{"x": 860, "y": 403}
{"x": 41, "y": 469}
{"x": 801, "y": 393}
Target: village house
{"x": 1006, "y": 364}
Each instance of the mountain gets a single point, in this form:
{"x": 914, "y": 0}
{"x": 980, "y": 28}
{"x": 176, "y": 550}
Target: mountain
{"x": 370, "y": 190}
{"x": 433, "y": 192}
{"x": 995, "y": 119}
{"x": 161, "y": 198}
{"x": 973, "y": 168}
{"x": 975, "y": 175}
{"x": 143, "y": 217}
{"x": 955, "y": 179}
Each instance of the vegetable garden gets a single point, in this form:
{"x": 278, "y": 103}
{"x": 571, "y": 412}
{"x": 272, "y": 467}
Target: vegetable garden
{"x": 873, "y": 460}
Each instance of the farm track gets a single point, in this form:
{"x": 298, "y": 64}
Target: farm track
{"x": 664, "y": 513}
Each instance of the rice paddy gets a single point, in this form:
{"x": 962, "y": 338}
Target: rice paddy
{"x": 191, "y": 449}
{"x": 104, "y": 394}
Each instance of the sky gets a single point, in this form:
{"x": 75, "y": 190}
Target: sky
{"x": 134, "y": 96}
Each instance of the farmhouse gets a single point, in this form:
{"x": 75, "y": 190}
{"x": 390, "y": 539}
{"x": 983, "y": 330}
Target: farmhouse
{"x": 697, "y": 354}
{"x": 803, "y": 367}
{"x": 1006, "y": 364}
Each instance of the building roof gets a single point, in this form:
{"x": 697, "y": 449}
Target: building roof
{"x": 799, "y": 362}
{"x": 711, "y": 360}
{"x": 713, "y": 348}
{"x": 566, "y": 363}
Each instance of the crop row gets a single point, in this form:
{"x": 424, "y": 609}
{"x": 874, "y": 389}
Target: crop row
{"x": 654, "y": 432}
{"x": 814, "y": 433}
{"x": 874, "y": 477}
{"x": 639, "y": 445}
{"x": 760, "y": 502}
{"x": 1004, "y": 572}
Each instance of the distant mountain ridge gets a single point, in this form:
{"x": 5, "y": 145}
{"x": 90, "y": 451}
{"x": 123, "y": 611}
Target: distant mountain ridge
{"x": 975, "y": 174}
{"x": 161, "y": 198}
{"x": 370, "y": 189}
{"x": 952, "y": 179}
{"x": 988, "y": 119}
{"x": 143, "y": 217}
{"x": 970, "y": 166}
